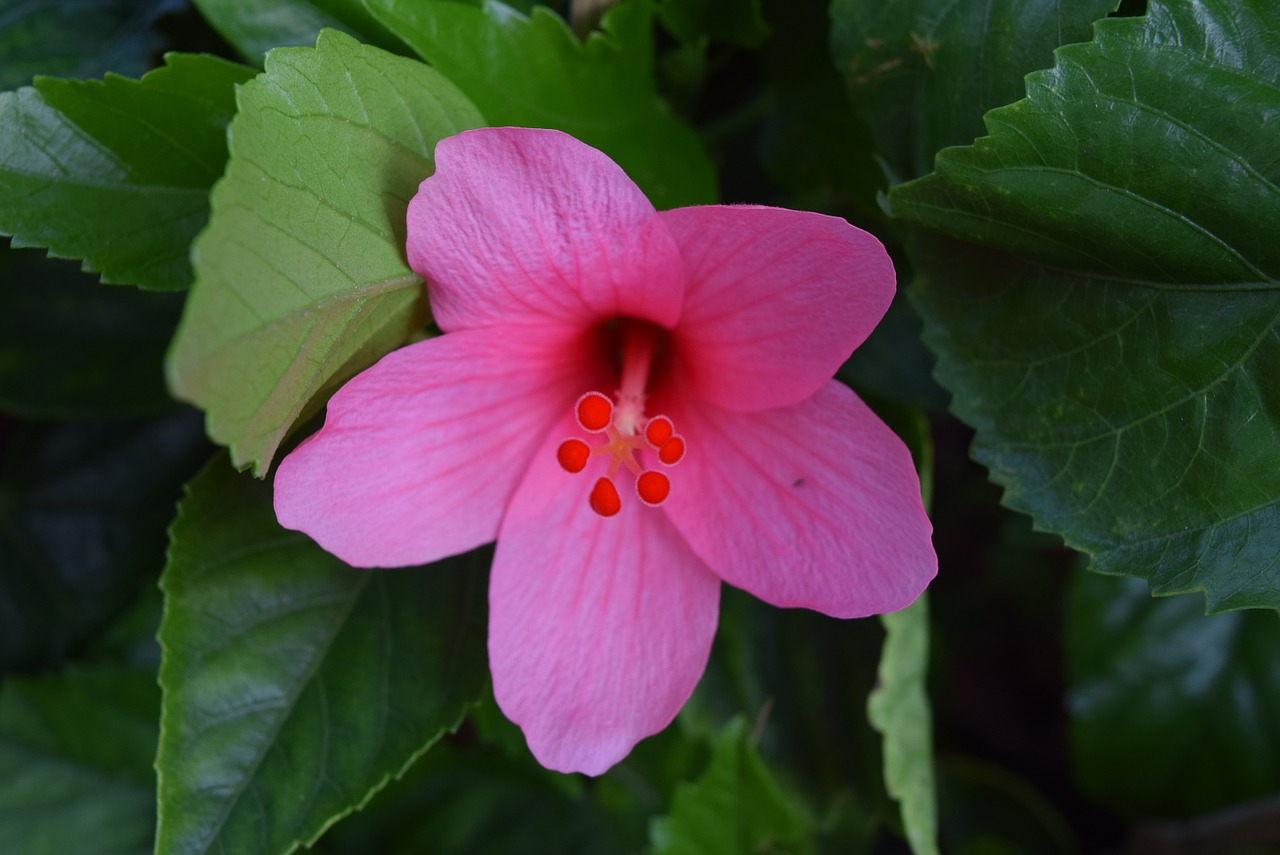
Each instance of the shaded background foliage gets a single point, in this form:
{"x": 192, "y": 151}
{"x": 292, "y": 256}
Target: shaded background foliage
{"x": 1081, "y": 200}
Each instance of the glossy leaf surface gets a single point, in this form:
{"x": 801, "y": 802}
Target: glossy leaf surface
{"x": 117, "y": 172}
{"x": 534, "y": 72}
{"x": 1118, "y": 354}
{"x": 295, "y": 686}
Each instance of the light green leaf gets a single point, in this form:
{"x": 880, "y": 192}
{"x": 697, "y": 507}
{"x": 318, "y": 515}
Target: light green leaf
{"x": 295, "y": 686}
{"x": 77, "y": 38}
{"x": 1173, "y": 713}
{"x": 301, "y": 280}
{"x": 735, "y": 807}
{"x": 75, "y": 762}
{"x": 83, "y": 507}
{"x": 1118, "y": 357}
{"x": 117, "y": 172}
{"x": 533, "y": 72}
{"x": 899, "y": 709}
{"x": 924, "y": 71}
{"x": 256, "y": 26}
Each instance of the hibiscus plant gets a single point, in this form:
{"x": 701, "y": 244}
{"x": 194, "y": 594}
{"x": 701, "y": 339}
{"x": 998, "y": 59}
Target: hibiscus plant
{"x": 670, "y": 426}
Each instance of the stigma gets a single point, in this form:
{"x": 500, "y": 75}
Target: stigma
{"x": 624, "y": 432}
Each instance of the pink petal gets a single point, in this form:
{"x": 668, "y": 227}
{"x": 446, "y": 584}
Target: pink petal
{"x": 419, "y": 454}
{"x": 525, "y": 226}
{"x": 776, "y": 301}
{"x": 598, "y": 628}
{"x": 815, "y": 505}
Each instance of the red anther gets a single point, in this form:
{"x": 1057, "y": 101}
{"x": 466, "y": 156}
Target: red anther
{"x": 605, "y": 499}
{"x": 653, "y": 488}
{"x": 573, "y": 455}
{"x": 659, "y": 430}
{"x": 672, "y": 451}
{"x": 594, "y": 411}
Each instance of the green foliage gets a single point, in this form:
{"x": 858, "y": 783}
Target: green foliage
{"x": 1173, "y": 712}
{"x": 295, "y": 686}
{"x": 75, "y": 762}
{"x": 737, "y": 21}
{"x": 83, "y": 507}
{"x": 899, "y": 709}
{"x": 77, "y": 38}
{"x": 256, "y": 26}
{"x": 69, "y": 347}
{"x": 1120, "y": 365}
{"x": 736, "y": 806}
{"x": 533, "y": 72}
{"x": 117, "y": 172}
{"x": 301, "y": 275}
{"x": 924, "y": 71}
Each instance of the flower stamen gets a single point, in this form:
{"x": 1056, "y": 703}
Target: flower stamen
{"x": 626, "y": 432}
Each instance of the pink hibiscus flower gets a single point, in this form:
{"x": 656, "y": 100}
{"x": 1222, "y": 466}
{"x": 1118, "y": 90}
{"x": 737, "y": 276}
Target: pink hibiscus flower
{"x": 637, "y": 405}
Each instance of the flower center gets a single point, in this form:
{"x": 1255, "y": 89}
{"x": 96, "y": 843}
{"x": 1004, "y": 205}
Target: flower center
{"x": 625, "y": 431}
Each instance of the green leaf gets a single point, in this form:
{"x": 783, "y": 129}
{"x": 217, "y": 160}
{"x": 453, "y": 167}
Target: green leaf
{"x": 117, "y": 172}
{"x": 739, "y": 22}
{"x": 83, "y": 508}
{"x": 533, "y": 72}
{"x": 736, "y": 806}
{"x": 301, "y": 280}
{"x": 69, "y": 347}
{"x": 924, "y": 71}
{"x": 77, "y": 38}
{"x": 256, "y": 26}
{"x": 1173, "y": 713}
{"x": 75, "y": 762}
{"x": 295, "y": 686}
{"x": 806, "y": 677}
{"x": 899, "y": 709}
{"x": 1120, "y": 372}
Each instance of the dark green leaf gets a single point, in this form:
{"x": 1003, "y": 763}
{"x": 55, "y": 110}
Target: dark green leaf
{"x": 75, "y": 762}
{"x": 533, "y": 72}
{"x": 301, "y": 275}
{"x": 256, "y": 26}
{"x": 117, "y": 172}
{"x": 1121, "y": 372}
{"x": 737, "y": 21}
{"x": 924, "y": 71}
{"x": 1173, "y": 712}
{"x": 735, "y": 807}
{"x": 295, "y": 686}
{"x": 804, "y": 678}
{"x": 899, "y": 709}
{"x": 69, "y": 347}
{"x": 78, "y": 38}
{"x": 83, "y": 508}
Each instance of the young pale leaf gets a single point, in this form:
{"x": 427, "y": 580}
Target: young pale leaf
{"x": 83, "y": 507}
{"x": 296, "y": 686}
{"x": 924, "y": 71}
{"x": 256, "y": 26}
{"x": 736, "y": 806}
{"x": 533, "y": 72}
{"x": 301, "y": 279}
{"x": 78, "y": 38}
{"x": 1173, "y": 713}
{"x": 1121, "y": 370}
{"x": 117, "y": 172}
{"x": 899, "y": 709}
{"x": 75, "y": 762}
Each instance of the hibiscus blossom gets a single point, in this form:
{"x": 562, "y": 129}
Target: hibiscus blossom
{"x": 637, "y": 405}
